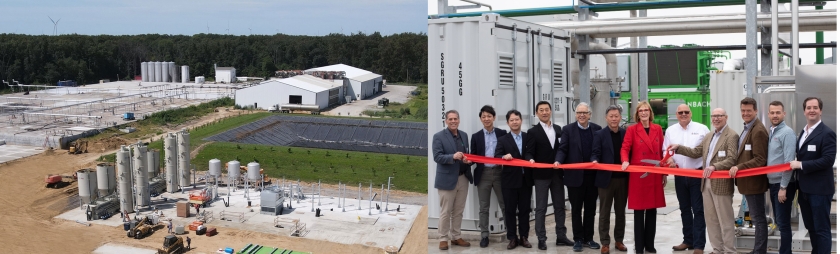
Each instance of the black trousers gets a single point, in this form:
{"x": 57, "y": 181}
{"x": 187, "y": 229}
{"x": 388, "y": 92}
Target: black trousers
{"x": 517, "y": 199}
{"x": 644, "y": 227}
{"x": 584, "y": 199}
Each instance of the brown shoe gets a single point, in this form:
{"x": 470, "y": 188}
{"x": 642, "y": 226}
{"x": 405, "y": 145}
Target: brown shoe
{"x": 461, "y": 242}
{"x": 682, "y": 246}
{"x": 698, "y": 251}
{"x": 524, "y": 242}
{"x": 443, "y": 245}
{"x": 605, "y": 249}
{"x": 620, "y": 246}
{"x": 512, "y": 244}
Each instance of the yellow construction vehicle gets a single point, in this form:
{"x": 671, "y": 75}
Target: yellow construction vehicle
{"x": 172, "y": 244}
{"x": 142, "y": 229}
{"x": 78, "y": 147}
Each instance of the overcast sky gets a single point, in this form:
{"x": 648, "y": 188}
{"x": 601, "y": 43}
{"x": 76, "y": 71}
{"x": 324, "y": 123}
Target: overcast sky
{"x": 188, "y": 17}
{"x": 808, "y": 55}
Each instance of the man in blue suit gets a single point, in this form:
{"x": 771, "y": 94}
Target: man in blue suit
{"x": 487, "y": 177}
{"x": 814, "y": 160}
{"x": 575, "y": 147}
{"x": 452, "y": 179}
{"x": 517, "y": 182}
{"x": 612, "y": 186}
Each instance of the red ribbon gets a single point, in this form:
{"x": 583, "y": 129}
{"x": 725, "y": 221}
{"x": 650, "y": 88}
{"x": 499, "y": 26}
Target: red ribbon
{"x": 633, "y": 168}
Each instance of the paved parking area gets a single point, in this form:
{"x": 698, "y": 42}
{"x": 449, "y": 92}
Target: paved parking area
{"x": 394, "y": 93}
{"x": 14, "y": 152}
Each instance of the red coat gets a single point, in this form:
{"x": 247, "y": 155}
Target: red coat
{"x": 643, "y": 193}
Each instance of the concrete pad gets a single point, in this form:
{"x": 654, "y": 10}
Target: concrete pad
{"x": 122, "y": 249}
{"x": 394, "y": 93}
{"x": 14, "y": 152}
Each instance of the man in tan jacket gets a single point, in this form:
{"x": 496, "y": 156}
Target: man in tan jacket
{"x": 752, "y": 153}
{"x": 718, "y": 151}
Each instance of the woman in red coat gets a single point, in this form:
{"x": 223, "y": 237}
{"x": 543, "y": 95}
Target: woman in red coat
{"x": 644, "y": 141}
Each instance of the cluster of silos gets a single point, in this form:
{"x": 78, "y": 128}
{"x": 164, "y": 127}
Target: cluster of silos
{"x": 87, "y": 185}
{"x": 126, "y": 182}
{"x": 106, "y": 179}
{"x": 164, "y": 72}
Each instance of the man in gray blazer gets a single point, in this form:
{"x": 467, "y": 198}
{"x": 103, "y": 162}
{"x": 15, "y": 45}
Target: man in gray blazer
{"x": 452, "y": 179}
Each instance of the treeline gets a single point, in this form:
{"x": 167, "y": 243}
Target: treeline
{"x": 42, "y": 59}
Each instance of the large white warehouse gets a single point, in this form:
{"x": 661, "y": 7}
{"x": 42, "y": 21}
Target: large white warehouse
{"x": 299, "y": 90}
{"x": 361, "y": 84}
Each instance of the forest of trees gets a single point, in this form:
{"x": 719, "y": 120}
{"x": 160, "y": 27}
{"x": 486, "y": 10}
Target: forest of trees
{"x": 42, "y": 59}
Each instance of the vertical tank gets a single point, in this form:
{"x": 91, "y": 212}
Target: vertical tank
{"x": 253, "y": 171}
{"x": 184, "y": 157}
{"x": 215, "y": 168}
{"x": 150, "y": 68}
{"x": 125, "y": 180}
{"x": 185, "y": 74}
{"x": 170, "y": 146}
{"x": 87, "y": 185}
{"x": 104, "y": 179}
{"x": 172, "y": 72}
{"x": 158, "y": 72}
{"x": 144, "y": 75}
{"x": 152, "y": 162}
{"x": 165, "y": 75}
{"x": 141, "y": 176}
{"x": 233, "y": 169}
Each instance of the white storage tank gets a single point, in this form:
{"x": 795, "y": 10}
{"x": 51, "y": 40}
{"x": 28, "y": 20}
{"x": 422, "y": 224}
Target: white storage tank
{"x": 233, "y": 169}
{"x": 215, "y": 168}
{"x": 125, "y": 179}
{"x": 105, "y": 179}
{"x": 173, "y": 73}
{"x": 185, "y": 74}
{"x": 144, "y": 72}
{"x": 141, "y": 176}
{"x": 184, "y": 157}
{"x": 166, "y": 74}
{"x": 158, "y": 72}
{"x": 496, "y": 61}
{"x": 253, "y": 171}
{"x": 87, "y": 185}
{"x": 170, "y": 146}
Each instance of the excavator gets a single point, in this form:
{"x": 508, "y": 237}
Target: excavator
{"x": 172, "y": 244}
{"x": 78, "y": 146}
{"x": 142, "y": 229}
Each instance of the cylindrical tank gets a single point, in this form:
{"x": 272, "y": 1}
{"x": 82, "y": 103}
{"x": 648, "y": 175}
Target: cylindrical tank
{"x": 170, "y": 146}
{"x": 144, "y": 72}
{"x": 253, "y": 171}
{"x": 141, "y": 176}
{"x": 172, "y": 72}
{"x": 112, "y": 178}
{"x": 184, "y": 157}
{"x": 185, "y": 74}
{"x": 153, "y": 162}
{"x": 233, "y": 169}
{"x": 87, "y": 185}
{"x": 104, "y": 179}
{"x": 165, "y": 67}
{"x": 125, "y": 180}
{"x": 158, "y": 72}
{"x": 215, "y": 168}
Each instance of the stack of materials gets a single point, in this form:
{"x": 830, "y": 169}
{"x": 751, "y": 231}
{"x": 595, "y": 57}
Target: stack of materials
{"x": 211, "y": 231}
{"x": 195, "y": 224}
{"x": 182, "y": 209}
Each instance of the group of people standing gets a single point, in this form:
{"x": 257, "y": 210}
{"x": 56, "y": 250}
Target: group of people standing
{"x": 705, "y": 203}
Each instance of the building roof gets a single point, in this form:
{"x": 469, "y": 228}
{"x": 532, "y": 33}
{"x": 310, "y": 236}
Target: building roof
{"x": 305, "y": 82}
{"x": 366, "y": 77}
{"x": 225, "y": 68}
{"x": 349, "y": 71}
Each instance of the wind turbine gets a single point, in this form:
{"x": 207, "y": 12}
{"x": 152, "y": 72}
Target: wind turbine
{"x": 55, "y": 25}
{"x": 208, "y": 27}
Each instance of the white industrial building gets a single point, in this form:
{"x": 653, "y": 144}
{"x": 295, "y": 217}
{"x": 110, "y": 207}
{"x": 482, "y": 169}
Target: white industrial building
{"x": 303, "y": 90}
{"x": 225, "y": 74}
{"x": 360, "y": 83}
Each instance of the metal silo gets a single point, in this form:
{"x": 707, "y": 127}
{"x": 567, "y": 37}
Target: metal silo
{"x": 233, "y": 170}
{"x": 215, "y": 168}
{"x": 165, "y": 67}
{"x": 125, "y": 181}
{"x": 170, "y": 146}
{"x": 158, "y": 72}
{"x": 87, "y": 185}
{"x": 144, "y": 75}
{"x": 141, "y": 176}
{"x": 184, "y": 157}
{"x": 253, "y": 171}
{"x": 173, "y": 73}
{"x": 152, "y": 162}
{"x": 185, "y": 74}
{"x": 105, "y": 179}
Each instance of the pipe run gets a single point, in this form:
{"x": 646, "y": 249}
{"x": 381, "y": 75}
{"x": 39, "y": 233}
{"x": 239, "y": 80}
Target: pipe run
{"x": 701, "y": 48}
{"x": 774, "y": 36}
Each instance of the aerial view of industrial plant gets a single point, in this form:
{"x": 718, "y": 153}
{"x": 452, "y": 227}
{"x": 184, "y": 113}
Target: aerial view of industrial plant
{"x": 237, "y": 127}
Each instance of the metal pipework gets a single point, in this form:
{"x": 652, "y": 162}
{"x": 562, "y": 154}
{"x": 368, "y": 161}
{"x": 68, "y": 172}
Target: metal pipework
{"x": 360, "y": 196}
{"x": 774, "y": 36}
{"x": 513, "y": 39}
{"x": 794, "y": 35}
{"x": 531, "y": 109}
{"x": 389, "y": 193}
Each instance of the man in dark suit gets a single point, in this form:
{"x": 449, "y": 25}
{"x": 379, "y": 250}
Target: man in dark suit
{"x": 487, "y": 177}
{"x": 452, "y": 179}
{"x": 815, "y": 155}
{"x": 575, "y": 147}
{"x": 612, "y": 186}
{"x": 541, "y": 146}
{"x": 516, "y": 182}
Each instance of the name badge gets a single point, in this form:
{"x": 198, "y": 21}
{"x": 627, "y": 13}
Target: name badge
{"x": 721, "y": 153}
{"x": 747, "y": 147}
{"x": 812, "y": 148}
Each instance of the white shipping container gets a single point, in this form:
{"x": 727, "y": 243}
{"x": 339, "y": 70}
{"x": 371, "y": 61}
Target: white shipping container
{"x": 497, "y": 61}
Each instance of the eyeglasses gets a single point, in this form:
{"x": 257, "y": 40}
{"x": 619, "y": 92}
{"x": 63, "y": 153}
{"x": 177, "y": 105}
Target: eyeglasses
{"x": 718, "y": 116}
{"x": 582, "y": 113}
{"x": 684, "y": 112}
{"x": 644, "y": 110}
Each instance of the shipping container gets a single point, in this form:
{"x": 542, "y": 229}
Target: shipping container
{"x": 497, "y": 61}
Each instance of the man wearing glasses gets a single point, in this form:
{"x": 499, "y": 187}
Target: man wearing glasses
{"x": 718, "y": 152}
{"x": 575, "y": 147}
{"x": 688, "y": 133}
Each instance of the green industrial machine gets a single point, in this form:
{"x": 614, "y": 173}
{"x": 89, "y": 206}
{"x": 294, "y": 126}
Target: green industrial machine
{"x": 679, "y": 77}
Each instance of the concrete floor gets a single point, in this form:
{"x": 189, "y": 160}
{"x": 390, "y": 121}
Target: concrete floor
{"x": 394, "y": 93}
{"x": 14, "y": 152}
{"x": 122, "y": 249}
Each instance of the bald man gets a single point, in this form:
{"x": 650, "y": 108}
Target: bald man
{"x": 688, "y": 133}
